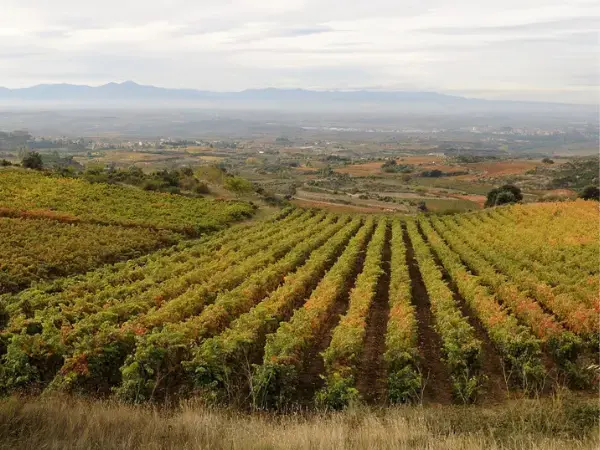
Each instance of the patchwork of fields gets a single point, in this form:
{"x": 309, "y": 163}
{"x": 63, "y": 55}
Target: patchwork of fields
{"x": 321, "y": 308}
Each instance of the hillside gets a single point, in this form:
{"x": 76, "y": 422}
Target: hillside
{"x": 329, "y": 309}
{"x": 29, "y": 193}
{"x": 51, "y": 227}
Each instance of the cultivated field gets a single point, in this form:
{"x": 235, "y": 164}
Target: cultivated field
{"x": 313, "y": 308}
{"x": 27, "y": 194}
{"x": 39, "y": 249}
{"x": 479, "y": 171}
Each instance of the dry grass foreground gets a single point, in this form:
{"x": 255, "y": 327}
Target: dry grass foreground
{"x": 69, "y": 423}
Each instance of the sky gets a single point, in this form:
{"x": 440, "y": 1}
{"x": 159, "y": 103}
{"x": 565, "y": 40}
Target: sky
{"x": 537, "y": 50}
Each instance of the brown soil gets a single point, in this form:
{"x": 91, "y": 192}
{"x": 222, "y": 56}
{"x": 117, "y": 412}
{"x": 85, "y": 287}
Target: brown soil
{"x": 479, "y": 199}
{"x": 438, "y": 388}
{"x": 502, "y": 168}
{"x": 306, "y": 169}
{"x": 255, "y": 352}
{"x": 310, "y": 381}
{"x": 494, "y": 387}
{"x": 335, "y": 207}
{"x": 548, "y": 362}
{"x": 362, "y": 170}
{"x": 374, "y": 168}
{"x": 372, "y": 374}
{"x": 421, "y": 159}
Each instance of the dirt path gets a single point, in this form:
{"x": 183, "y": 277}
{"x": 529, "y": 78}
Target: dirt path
{"x": 371, "y": 376}
{"x": 437, "y": 387}
{"x": 310, "y": 381}
{"x": 494, "y": 387}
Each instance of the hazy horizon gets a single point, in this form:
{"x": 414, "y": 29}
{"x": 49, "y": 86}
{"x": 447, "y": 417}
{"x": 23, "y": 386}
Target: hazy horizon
{"x": 130, "y": 94}
{"x": 536, "y": 50}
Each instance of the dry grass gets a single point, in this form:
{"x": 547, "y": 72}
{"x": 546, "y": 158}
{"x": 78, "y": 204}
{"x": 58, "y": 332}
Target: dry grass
{"x": 503, "y": 168}
{"x": 305, "y": 169}
{"x": 68, "y": 423}
{"x": 334, "y": 207}
{"x": 479, "y": 199}
{"x": 498, "y": 169}
{"x": 362, "y": 170}
{"x": 421, "y": 159}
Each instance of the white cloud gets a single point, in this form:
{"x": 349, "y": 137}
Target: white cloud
{"x": 527, "y": 49}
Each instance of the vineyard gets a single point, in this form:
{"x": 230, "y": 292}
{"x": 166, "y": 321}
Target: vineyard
{"x": 56, "y": 227}
{"x": 35, "y": 250}
{"x": 27, "y": 194}
{"x": 315, "y": 308}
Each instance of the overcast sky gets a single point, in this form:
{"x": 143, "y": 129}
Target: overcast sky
{"x": 510, "y": 49}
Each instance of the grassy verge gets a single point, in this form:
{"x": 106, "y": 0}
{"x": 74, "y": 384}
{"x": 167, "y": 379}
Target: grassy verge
{"x": 67, "y": 422}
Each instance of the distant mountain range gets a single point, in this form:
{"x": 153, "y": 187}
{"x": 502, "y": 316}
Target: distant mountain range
{"x": 130, "y": 93}
{"x": 132, "y": 90}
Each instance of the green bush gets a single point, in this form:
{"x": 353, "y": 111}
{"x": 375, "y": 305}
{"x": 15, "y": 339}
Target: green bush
{"x": 503, "y": 195}
{"x": 590, "y": 193}
{"x": 33, "y": 160}
{"x": 238, "y": 185}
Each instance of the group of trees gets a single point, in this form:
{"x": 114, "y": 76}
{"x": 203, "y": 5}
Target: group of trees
{"x": 503, "y": 195}
{"x": 590, "y": 193}
{"x": 173, "y": 181}
{"x": 436, "y": 173}
{"x": 510, "y": 193}
{"x": 391, "y": 166}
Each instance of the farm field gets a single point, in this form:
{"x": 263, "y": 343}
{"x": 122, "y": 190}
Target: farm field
{"x": 148, "y": 159}
{"x": 27, "y": 193}
{"x": 335, "y": 207}
{"x": 313, "y": 308}
{"x": 479, "y": 170}
{"x": 39, "y": 249}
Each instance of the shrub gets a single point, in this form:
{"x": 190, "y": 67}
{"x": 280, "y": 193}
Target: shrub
{"x": 33, "y": 160}
{"x": 201, "y": 188}
{"x": 503, "y": 195}
{"x": 590, "y": 193}
{"x": 238, "y": 185}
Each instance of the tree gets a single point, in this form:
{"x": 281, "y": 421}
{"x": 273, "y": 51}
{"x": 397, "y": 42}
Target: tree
{"x": 187, "y": 171}
{"x": 547, "y": 161}
{"x": 590, "y": 193}
{"x": 435, "y": 173}
{"x": 201, "y": 188}
{"x": 32, "y": 160}
{"x": 515, "y": 191}
{"x": 503, "y": 195}
{"x": 238, "y": 185}
{"x": 389, "y": 165}
{"x": 326, "y": 171}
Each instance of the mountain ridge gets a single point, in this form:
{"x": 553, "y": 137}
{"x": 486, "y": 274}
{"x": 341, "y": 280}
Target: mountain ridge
{"x": 131, "y": 95}
{"x": 129, "y": 90}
